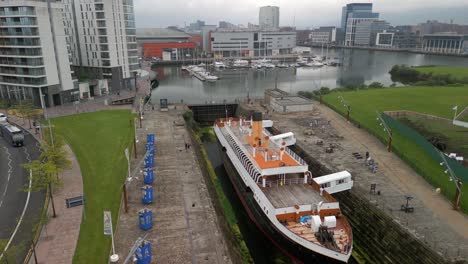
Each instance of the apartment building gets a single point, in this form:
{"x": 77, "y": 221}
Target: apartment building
{"x": 102, "y": 39}
{"x": 34, "y": 60}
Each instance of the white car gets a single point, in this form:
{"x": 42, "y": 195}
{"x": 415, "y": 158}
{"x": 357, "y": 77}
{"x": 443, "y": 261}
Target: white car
{"x": 3, "y": 117}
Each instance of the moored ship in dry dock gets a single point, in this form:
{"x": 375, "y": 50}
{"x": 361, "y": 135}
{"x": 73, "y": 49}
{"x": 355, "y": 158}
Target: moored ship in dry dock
{"x": 293, "y": 209}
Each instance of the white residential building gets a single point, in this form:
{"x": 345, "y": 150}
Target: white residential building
{"x": 102, "y": 39}
{"x": 252, "y": 43}
{"x": 34, "y": 61}
{"x": 269, "y": 17}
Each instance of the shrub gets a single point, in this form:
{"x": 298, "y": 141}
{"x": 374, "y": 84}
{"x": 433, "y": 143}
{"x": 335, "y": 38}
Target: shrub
{"x": 376, "y": 85}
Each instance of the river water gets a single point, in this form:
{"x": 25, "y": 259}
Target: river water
{"x": 359, "y": 66}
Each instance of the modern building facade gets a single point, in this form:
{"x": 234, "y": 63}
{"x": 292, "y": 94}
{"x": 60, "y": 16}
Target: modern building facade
{"x": 153, "y": 42}
{"x": 34, "y": 60}
{"x": 445, "y": 43}
{"x": 384, "y": 39}
{"x": 102, "y": 38}
{"x": 323, "y": 36}
{"x": 252, "y": 43}
{"x": 206, "y": 36}
{"x": 356, "y": 22}
{"x": 269, "y": 17}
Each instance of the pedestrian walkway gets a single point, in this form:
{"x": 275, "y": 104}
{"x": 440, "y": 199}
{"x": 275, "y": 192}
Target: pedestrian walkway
{"x": 185, "y": 228}
{"x": 58, "y": 239}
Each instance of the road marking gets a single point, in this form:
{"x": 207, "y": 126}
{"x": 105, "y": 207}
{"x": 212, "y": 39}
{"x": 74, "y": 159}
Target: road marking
{"x": 10, "y": 169}
{"x": 24, "y": 210}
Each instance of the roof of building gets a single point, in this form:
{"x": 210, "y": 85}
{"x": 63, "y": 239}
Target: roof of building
{"x": 160, "y": 33}
{"x": 292, "y": 100}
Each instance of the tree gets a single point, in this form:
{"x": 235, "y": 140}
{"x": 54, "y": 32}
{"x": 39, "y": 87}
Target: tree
{"x": 43, "y": 176}
{"x": 44, "y": 171}
{"x": 25, "y": 108}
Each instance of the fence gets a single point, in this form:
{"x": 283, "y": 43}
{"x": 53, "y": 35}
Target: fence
{"x": 434, "y": 153}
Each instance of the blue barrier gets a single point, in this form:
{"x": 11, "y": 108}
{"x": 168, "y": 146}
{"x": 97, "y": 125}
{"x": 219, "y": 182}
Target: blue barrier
{"x": 145, "y": 218}
{"x": 150, "y": 138}
{"x": 150, "y": 148}
{"x": 147, "y": 194}
{"x": 143, "y": 253}
{"x": 149, "y": 161}
{"x": 148, "y": 176}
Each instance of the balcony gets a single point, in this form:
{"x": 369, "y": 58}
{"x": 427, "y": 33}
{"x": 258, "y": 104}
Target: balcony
{"x": 100, "y": 15}
{"x": 19, "y": 32}
{"x": 15, "y": 11}
{"x": 18, "y": 21}
{"x": 104, "y": 47}
{"x": 99, "y": 7}
{"x": 23, "y": 81}
{"x": 31, "y": 62}
{"x": 21, "y": 52}
{"x": 22, "y": 71}
{"x": 20, "y": 42}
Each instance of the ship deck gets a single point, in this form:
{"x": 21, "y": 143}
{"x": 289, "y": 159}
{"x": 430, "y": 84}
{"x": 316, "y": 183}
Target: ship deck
{"x": 294, "y": 194}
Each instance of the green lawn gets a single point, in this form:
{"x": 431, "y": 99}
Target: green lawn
{"x": 457, "y": 72}
{"x": 431, "y": 100}
{"x": 98, "y": 140}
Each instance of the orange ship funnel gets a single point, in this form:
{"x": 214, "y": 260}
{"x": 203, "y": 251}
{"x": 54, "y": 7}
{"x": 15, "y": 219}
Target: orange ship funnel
{"x": 257, "y": 127}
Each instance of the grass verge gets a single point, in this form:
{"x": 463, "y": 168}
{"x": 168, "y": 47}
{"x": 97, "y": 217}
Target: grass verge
{"x": 430, "y": 100}
{"x": 98, "y": 141}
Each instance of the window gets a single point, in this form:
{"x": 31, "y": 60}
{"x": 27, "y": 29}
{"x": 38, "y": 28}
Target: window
{"x": 325, "y": 185}
{"x": 340, "y": 181}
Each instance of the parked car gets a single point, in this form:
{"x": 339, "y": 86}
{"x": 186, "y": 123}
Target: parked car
{"x": 3, "y": 118}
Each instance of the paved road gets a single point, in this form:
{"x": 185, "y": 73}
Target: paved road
{"x": 13, "y": 180}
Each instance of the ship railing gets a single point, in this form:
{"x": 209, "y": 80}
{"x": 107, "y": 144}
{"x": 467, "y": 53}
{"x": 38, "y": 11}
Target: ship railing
{"x": 242, "y": 156}
{"x": 295, "y": 157}
{"x": 243, "y": 149}
{"x": 278, "y": 183}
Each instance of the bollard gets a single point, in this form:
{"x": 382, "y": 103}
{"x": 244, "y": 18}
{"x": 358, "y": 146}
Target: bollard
{"x": 147, "y": 194}
{"x": 148, "y": 176}
{"x": 145, "y": 218}
{"x": 143, "y": 253}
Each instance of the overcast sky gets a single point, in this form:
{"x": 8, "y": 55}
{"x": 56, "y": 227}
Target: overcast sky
{"x": 299, "y": 13}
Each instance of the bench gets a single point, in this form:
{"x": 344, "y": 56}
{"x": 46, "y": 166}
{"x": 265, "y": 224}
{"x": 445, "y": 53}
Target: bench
{"x": 75, "y": 201}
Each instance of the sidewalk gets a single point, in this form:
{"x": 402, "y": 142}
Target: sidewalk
{"x": 58, "y": 239}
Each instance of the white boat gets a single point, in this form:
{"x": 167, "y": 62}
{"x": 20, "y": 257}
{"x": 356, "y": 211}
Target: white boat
{"x": 301, "y": 61}
{"x": 240, "y": 64}
{"x": 219, "y": 65}
{"x": 184, "y": 68}
{"x": 211, "y": 78}
{"x": 269, "y": 65}
{"x": 279, "y": 194}
{"x": 315, "y": 64}
{"x": 282, "y": 65}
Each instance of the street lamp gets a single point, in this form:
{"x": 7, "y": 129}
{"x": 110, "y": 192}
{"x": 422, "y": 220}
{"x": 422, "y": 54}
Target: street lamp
{"x": 454, "y": 179}
{"x": 387, "y": 129}
{"x": 346, "y": 106}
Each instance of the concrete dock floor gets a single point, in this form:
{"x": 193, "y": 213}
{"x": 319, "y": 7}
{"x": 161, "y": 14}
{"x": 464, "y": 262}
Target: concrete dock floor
{"x": 185, "y": 226}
